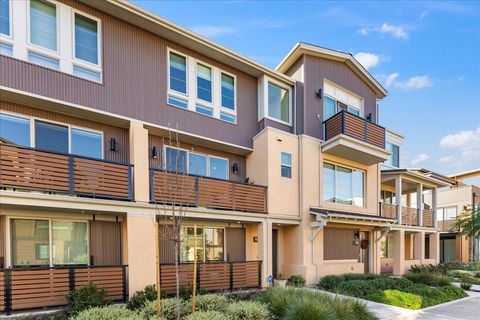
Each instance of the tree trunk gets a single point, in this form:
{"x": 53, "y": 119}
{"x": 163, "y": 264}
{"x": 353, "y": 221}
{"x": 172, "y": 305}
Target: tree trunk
{"x": 177, "y": 273}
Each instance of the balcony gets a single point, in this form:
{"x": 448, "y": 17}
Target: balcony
{"x": 24, "y": 168}
{"x": 351, "y": 137}
{"x": 197, "y": 191}
{"x": 410, "y": 216}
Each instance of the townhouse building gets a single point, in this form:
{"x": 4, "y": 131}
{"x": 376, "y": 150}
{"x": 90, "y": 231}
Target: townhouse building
{"x": 110, "y": 114}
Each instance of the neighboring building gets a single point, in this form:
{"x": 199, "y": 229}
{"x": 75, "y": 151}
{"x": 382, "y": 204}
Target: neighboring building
{"x": 108, "y": 112}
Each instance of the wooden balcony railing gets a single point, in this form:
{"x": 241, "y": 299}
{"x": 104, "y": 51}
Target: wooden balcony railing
{"x": 409, "y": 216}
{"x": 388, "y": 210}
{"x": 356, "y": 127}
{"x": 427, "y": 218}
{"x": 35, "y": 287}
{"x": 190, "y": 190}
{"x": 27, "y": 168}
{"x": 213, "y": 276}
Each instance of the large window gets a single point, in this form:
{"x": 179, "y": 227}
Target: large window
{"x": 228, "y": 92}
{"x": 343, "y": 185}
{"x": 278, "y": 103}
{"x": 394, "y": 159}
{"x": 175, "y": 160}
{"x": 183, "y": 161}
{"x": 286, "y": 165}
{"x": 197, "y": 164}
{"x": 210, "y": 244}
{"x": 204, "y": 83}
{"x": 51, "y": 137}
{"x": 43, "y": 24}
{"x": 337, "y": 99}
{"x": 447, "y": 213}
{"x": 86, "y": 39}
{"x": 219, "y": 168}
{"x": 15, "y": 130}
{"x": 5, "y": 17}
{"x": 31, "y": 244}
{"x": 87, "y": 143}
{"x": 178, "y": 73}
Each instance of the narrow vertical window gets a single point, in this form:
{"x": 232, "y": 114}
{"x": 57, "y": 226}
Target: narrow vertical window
{"x": 278, "y": 103}
{"x": 204, "y": 83}
{"x": 329, "y": 109}
{"x": 286, "y": 165}
{"x": 197, "y": 164}
{"x": 5, "y": 17}
{"x": 178, "y": 73}
{"x": 70, "y": 243}
{"x": 228, "y": 92}
{"x": 51, "y": 137}
{"x": 43, "y": 24}
{"x": 86, "y": 39}
{"x": 176, "y": 160}
{"x": 328, "y": 182}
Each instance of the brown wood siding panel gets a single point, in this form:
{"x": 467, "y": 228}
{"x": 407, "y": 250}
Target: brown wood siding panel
{"x": 3, "y": 241}
{"x": 135, "y": 82}
{"x": 338, "y": 244}
{"x": 388, "y": 210}
{"x": 376, "y": 135}
{"x": 159, "y": 142}
{"x": 120, "y": 134}
{"x": 334, "y": 126}
{"x": 235, "y": 244}
{"x": 409, "y": 216}
{"x": 2, "y": 290}
{"x": 316, "y": 71}
{"x": 428, "y": 219}
{"x": 106, "y": 243}
{"x": 109, "y": 278}
{"x": 174, "y": 188}
{"x": 245, "y": 275}
{"x": 166, "y": 245}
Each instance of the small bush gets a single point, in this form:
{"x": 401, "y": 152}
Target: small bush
{"x": 429, "y": 278}
{"x": 278, "y": 299}
{"x": 433, "y": 296}
{"x": 89, "y": 296}
{"x": 168, "y": 309}
{"x": 361, "y": 276}
{"x": 418, "y": 268}
{"x": 211, "y": 302}
{"x": 349, "y": 309}
{"x": 330, "y": 283}
{"x": 466, "y": 285}
{"x": 309, "y": 309}
{"x": 186, "y": 292}
{"x": 396, "y": 298}
{"x": 355, "y": 288}
{"x": 296, "y": 281}
{"x": 206, "y": 315}
{"x": 248, "y": 310}
{"x": 107, "y": 313}
{"x": 139, "y": 298}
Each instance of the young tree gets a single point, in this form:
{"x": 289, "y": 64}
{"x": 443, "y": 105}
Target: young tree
{"x": 468, "y": 223}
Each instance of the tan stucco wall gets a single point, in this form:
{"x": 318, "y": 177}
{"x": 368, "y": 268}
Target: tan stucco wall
{"x": 139, "y": 158}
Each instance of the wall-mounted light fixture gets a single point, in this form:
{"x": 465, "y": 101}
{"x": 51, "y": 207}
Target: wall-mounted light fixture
{"x": 154, "y": 153}
{"x": 235, "y": 168}
{"x": 319, "y": 94}
{"x": 369, "y": 117}
{"x": 113, "y": 144}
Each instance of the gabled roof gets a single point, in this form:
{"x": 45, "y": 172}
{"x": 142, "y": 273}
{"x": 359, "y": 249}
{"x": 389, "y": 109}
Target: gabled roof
{"x": 151, "y": 22}
{"x": 302, "y": 48}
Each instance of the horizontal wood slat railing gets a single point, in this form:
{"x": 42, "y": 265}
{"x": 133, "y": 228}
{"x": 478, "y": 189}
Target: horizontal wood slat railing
{"x": 27, "y": 168}
{"x": 388, "y": 210}
{"x": 356, "y": 127}
{"x": 35, "y": 288}
{"x": 213, "y": 276}
{"x": 189, "y": 190}
{"x": 409, "y": 216}
{"x": 428, "y": 218}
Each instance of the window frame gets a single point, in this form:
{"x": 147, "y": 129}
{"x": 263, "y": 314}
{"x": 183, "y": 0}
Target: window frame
{"x": 227, "y": 167}
{"x": 290, "y": 101}
{"x": 9, "y": 37}
{"x": 348, "y": 93}
{"x": 335, "y": 165}
{"x": 207, "y": 169}
{"x": 222, "y": 108}
{"x": 198, "y": 100}
{"x": 171, "y": 91}
{"x": 203, "y": 227}
{"x": 290, "y": 166}
{"x": 37, "y": 48}
{"x": 18, "y": 115}
{"x": 77, "y": 62}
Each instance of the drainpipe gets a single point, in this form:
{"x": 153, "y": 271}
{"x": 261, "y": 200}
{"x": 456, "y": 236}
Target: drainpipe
{"x": 475, "y": 239}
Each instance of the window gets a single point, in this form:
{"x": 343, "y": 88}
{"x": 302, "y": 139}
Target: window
{"x": 6, "y": 49}
{"x": 178, "y": 73}
{"x": 69, "y": 243}
{"x": 204, "y": 83}
{"x": 219, "y": 168}
{"x": 178, "y": 102}
{"x": 386, "y": 247}
{"x": 204, "y": 110}
{"x": 210, "y": 244}
{"x": 175, "y": 160}
{"x": 87, "y": 74}
{"x": 450, "y": 213}
{"x": 228, "y": 92}
{"x": 329, "y": 108}
{"x": 5, "y": 17}
{"x": 87, "y": 143}
{"x": 388, "y": 197}
{"x": 44, "y": 61}
{"x": 343, "y": 185}
{"x": 30, "y": 242}
{"x": 86, "y": 39}
{"x": 278, "y": 103}
{"x": 14, "y": 130}
{"x": 337, "y": 99}
{"x": 43, "y": 24}
{"x": 197, "y": 164}
{"x": 51, "y": 137}
{"x": 228, "y": 117}
{"x": 286, "y": 165}
{"x": 394, "y": 159}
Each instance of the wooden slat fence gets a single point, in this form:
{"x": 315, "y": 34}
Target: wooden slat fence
{"x": 409, "y": 216}
{"x": 388, "y": 210}
{"x": 35, "y": 288}
{"x": 213, "y": 276}
{"x": 428, "y": 218}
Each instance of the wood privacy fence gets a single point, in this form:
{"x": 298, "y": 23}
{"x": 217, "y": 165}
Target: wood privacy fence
{"x": 428, "y": 218}
{"x": 213, "y": 276}
{"x": 190, "y": 190}
{"x": 27, "y": 168}
{"x": 356, "y": 127}
{"x": 35, "y": 288}
{"x": 388, "y": 210}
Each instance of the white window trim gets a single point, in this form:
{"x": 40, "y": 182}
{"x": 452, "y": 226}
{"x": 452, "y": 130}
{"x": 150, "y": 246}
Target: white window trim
{"x": 8, "y": 242}
{"x": 191, "y": 96}
{"x": 227, "y": 173}
{"x": 207, "y": 169}
{"x": 361, "y": 108}
{"x": 82, "y": 63}
{"x": 69, "y": 128}
{"x": 8, "y": 38}
{"x": 335, "y": 184}
{"x": 39, "y": 49}
{"x": 264, "y": 103}
{"x": 286, "y": 165}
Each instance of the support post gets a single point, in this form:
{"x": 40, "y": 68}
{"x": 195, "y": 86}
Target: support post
{"x": 398, "y": 198}
{"x": 398, "y": 252}
{"x": 434, "y": 206}
{"x": 7, "y": 280}
{"x": 194, "y": 289}
{"x": 420, "y": 204}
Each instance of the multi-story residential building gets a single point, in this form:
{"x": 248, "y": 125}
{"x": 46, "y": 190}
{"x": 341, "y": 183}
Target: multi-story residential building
{"x": 109, "y": 114}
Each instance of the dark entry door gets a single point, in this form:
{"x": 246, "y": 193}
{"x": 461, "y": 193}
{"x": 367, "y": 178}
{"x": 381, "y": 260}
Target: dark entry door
{"x": 235, "y": 244}
{"x": 274, "y": 253}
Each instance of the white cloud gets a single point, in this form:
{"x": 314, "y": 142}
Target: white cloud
{"x": 394, "y": 31}
{"x": 368, "y": 60}
{"x": 446, "y": 159}
{"x": 466, "y": 144}
{"x": 414, "y": 83}
{"x": 212, "y": 31}
{"x": 421, "y": 157}
{"x": 364, "y": 31}
{"x": 391, "y": 79}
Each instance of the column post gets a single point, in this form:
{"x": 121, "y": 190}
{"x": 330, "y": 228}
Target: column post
{"x": 419, "y": 246}
{"x": 398, "y": 252}
{"x": 139, "y": 158}
{"x": 265, "y": 249}
{"x": 435, "y": 247}
{"x": 434, "y": 206}
{"x": 398, "y": 197}
{"x": 420, "y": 204}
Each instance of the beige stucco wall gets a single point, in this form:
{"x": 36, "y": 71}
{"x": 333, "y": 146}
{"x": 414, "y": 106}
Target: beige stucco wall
{"x": 139, "y": 158}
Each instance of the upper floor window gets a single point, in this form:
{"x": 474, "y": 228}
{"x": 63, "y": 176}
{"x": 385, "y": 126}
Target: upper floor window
{"x": 337, "y": 100}
{"x": 447, "y": 213}
{"x": 51, "y": 137}
{"x": 87, "y": 143}
{"x": 278, "y": 102}
{"x": 86, "y": 39}
{"x": 43, "y": 24}
{"x": 343, "y": 185}
{"x": 286, "y": 165}
{"x": 14, "y": 130}
{"x": 194, "y": 85}
{"x": 5, "y": 17}
{"x": 394, "y": 159}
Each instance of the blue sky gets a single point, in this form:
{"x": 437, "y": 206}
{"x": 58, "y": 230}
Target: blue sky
{"x": 427, "y": 55}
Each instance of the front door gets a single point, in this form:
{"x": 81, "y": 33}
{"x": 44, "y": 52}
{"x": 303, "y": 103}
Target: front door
{"x": 364, "y": 252}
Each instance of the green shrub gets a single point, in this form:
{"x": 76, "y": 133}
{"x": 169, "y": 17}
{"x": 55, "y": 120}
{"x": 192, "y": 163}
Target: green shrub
{"x": 361, "y": 276}
{"x": 349, "y": 309}
{"x": 309, "y": 309}
{"x": 417, "y": 268}
{"x": 211, "y": 302}
{"x": 186, "y": 292}
{"x": 278, "y": 299}
{"x": 139, "y": 298}
{"x": 433, "y": 296}
{"x": 89, "y": 296}
{"x": 107, "y": 313}
{"x": 248, "y": 310}
{"x": 297, "y": 281}
{"x": 429, "y": 278}
{"x": 168, "y": 309}
{"x": 330, "y": 283}
{"x": 206, "y": 315}
{"x": 396, "y": 298}
{"x": 466, "y": 285}
{"x": 355, "y": 288}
